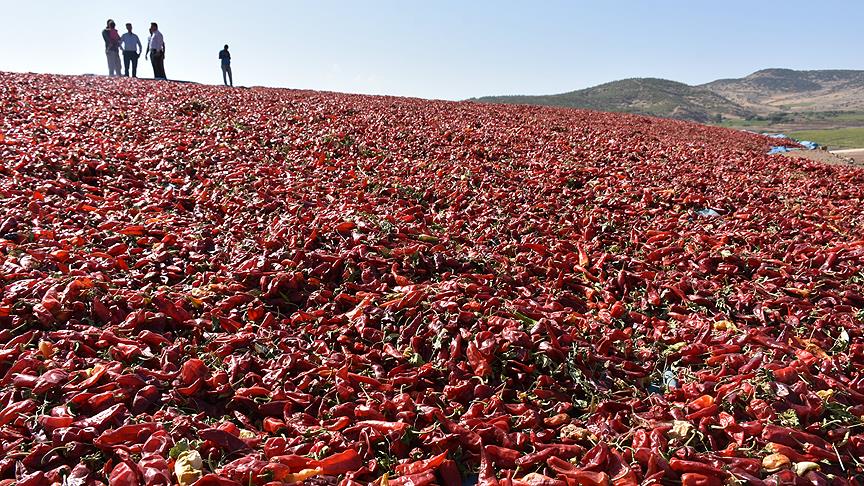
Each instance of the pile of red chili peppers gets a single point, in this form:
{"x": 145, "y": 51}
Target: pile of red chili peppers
{"x": 259, "y": 286}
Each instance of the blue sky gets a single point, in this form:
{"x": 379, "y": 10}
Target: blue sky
{"x": 444, "y": 49}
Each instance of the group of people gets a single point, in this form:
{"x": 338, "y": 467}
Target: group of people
{"x": 130, "y": 44}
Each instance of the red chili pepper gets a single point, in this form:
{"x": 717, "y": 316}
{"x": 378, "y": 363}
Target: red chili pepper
{"x": 420, "y": 466}
{"x": 123, "y": 475}
{"x": 682, "y": 466}
{"x": 338, "y": 424}
{"x": 529, "y": 460}
{"x": 419, "y": 479}
{"x": 449, "y": 472}
{"x": 95, "y": 375}
{"x": 36, "y": 478}
{"x": 215, "y": 480}
{"x": 154, "y": 470}
{"x": 576, "y": 476}
{"x": 501, "y": 456}
{"x": 596, "y": 457}
{"x": 486, "y": 474}
{"x": 381, "y": 426}
{"x": 275, "y": 446}
{"x": 565, "y": 451}
{"x": 342, "y": 463}
{"x": 51, "y": 423}
{"x": 792, "y": 437}
{"x": 127, "y": 434}
{"x": 227, "y": 441}
{"x": 696, "y": 479}
{"x": 50, "y": 380}
{"x": 700, "y": 403}
{"x": 708, "y": 411}
{"x": 14, "y": 411}
{"x": 103, "y": 419}
{"x": 478, "y": 361}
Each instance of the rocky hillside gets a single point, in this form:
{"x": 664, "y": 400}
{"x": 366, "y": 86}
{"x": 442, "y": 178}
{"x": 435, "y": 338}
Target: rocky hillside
{"x": 763, "y": 93}
{"x": 773, "y": 90}
{"x": 649, "y": 96}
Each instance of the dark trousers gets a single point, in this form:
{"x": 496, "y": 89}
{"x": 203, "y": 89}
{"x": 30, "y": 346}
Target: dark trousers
{"x": 226, "y": 69}
{"x": 130, "y": 57}
{"x": 157, "y": 58}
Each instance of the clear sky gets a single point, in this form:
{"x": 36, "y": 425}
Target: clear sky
{"x": 447, "y": 48}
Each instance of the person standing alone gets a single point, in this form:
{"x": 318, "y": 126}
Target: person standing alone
{"x": 156, "y": 50}
{"x": 225, "y": 56}
{"x": 112, "y": 48}
{"x": 131, "y": 51}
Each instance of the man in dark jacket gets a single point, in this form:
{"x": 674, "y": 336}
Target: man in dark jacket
{"x": 225, "y": 57}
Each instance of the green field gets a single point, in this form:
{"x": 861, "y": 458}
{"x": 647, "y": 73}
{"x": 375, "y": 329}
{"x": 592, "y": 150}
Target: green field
{"x": 851, "y": 116}
{"x": 838, "y": 138}
{"x": 789, "y": 121}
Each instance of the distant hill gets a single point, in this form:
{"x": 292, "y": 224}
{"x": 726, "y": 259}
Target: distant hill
{"x": 761, "y": 94}
{"x": 773, "y": 90}
{"x": 650, "y": 96}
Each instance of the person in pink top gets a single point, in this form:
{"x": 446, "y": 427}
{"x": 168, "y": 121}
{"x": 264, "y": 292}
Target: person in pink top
{"x": 112, "y": 48}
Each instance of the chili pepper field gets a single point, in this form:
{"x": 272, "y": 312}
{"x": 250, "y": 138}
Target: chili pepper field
{"x": 214, "y": 286}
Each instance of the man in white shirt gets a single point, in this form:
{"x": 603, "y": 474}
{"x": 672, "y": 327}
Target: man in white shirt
{"x": 156, "y": 51}
{"x": 131, "y": 51}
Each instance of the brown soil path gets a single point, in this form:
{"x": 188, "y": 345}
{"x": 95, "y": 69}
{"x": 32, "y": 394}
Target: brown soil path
{"x": 844, "y": 157}
{"x": 854, "y": 154}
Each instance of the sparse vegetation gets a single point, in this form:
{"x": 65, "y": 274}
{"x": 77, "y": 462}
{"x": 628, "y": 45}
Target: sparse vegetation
{"x": 648, "y": 96}
{"x": 771, "y": 99}
{"x": 838, "y": 138}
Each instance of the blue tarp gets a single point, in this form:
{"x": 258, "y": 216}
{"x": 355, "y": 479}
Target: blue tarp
{"x": 777, "y": 150}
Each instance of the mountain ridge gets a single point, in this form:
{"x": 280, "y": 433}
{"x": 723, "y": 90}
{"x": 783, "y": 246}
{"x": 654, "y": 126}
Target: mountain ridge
{"x": 764, "y": 93}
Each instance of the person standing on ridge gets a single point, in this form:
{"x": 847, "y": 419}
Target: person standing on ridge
{"x": 131, "y": 51}
{"x": 156, "y": 51}
{"x": 225, "y": 56}
{"x": 112, "y": 48}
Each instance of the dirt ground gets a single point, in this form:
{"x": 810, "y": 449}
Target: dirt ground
{"x": 842, "y": 157}
{"x": 854, "y": 154}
